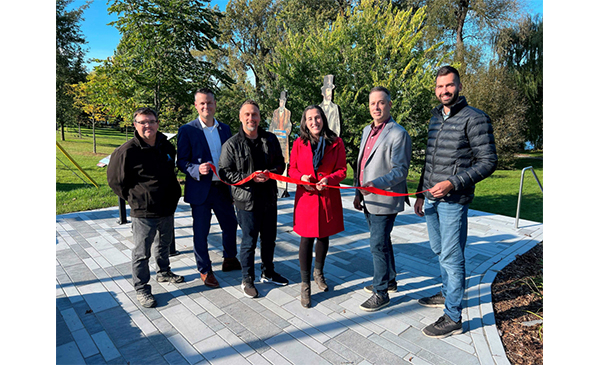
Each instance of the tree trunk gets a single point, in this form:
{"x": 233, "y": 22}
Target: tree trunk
{"x": 62, "y": 132}
{"x": 461, "y": 15}
{"x": 94, "y": 133}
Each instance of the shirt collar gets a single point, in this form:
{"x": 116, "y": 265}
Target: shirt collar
{"x": 205, "y": 126}
{"x": 378, "y": 128}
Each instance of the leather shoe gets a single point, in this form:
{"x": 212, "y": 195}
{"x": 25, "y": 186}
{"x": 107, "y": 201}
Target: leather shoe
{"x": 210, "y": 280}
{"x": 231, "y": 264}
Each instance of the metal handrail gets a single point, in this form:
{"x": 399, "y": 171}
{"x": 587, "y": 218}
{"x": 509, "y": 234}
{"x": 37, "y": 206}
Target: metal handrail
{"x": 521, "y": 192}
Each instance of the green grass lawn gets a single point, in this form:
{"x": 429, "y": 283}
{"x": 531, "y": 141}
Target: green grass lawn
{"x": 496, "y": 194}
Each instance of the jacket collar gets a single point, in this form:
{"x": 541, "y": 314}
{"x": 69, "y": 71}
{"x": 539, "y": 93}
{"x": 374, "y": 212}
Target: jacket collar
{"x": 261, "y": 133}
{"x": 142, "y": 144}
{"x": 461, "y": 103}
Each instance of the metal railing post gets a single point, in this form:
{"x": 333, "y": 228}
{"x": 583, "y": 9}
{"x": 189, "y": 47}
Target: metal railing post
{"x": 122, "y": 212}
{"x": 521, "y": 192}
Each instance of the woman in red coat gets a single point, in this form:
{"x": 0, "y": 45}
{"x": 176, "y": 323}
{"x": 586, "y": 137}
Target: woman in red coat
{"x": 318, "y": 156}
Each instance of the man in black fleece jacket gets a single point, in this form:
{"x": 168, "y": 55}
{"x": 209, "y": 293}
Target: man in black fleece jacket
{"x": 142, "y": 172}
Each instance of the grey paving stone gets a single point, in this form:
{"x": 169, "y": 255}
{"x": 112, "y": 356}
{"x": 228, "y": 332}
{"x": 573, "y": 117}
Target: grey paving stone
{"x": 63, "y": 334}
{"x": 68, "y": 354}
{"x": 119, "y": 326}
{"x": 371, "y": 351}
{"x": 438, "y": 348}
{"x": 175, "y": 358}
{"x": 141, "y": 352}
{"x": 160, "y": 342}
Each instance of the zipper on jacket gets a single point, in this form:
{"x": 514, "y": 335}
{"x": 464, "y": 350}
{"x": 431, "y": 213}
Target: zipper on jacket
{"x": 437, "y": 139}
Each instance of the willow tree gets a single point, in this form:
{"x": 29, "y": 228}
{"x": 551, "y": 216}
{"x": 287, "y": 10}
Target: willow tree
{"x": 373, "y": 44}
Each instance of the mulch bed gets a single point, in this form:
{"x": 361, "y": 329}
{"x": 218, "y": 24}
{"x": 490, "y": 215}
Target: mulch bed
{"x": 517, "y": 291}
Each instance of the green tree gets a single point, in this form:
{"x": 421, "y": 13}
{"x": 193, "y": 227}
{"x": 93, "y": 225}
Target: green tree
{"x": 520, "y": 49}
{"x": 87, "y": 99}
{"x": 154, "y": 61}
{"x": 70, "y": 54}
{"x": 465, "y": 25}
{"x": 373, "y": 44}
{"x": 493, "y": 90}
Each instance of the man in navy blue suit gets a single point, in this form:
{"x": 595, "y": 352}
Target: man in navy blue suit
{"x": 198, "y": 146}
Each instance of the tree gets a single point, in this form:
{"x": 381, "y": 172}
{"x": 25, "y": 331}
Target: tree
{"x": 69, "y": 60}
{"x": 520, "y": 50}
{"x": 464, "y": 25}
{"x": 493, "y": 90}
{"x": 154, "y": 61}
{"x": 374, "y": 44}
{"x": 87, "y": 99}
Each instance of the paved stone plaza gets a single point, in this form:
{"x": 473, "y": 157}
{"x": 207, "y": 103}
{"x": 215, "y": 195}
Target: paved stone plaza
{"x": 99, "y": 321}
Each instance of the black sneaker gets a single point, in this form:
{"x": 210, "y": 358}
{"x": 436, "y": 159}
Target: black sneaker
{"x": 274, "y": 278}
{"x": 376, "y": 302}
{"x": 443, "y": 327}
{"x": 435, "y": 301}
{"x": 168, "y": 276}
{"x": 249, "y": 289}
{"x": 146, "y": 299}
{"x": 392, "y": 288}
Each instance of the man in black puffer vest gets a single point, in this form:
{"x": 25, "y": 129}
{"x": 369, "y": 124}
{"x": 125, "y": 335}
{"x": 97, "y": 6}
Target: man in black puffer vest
{"x": 460, "y": 152}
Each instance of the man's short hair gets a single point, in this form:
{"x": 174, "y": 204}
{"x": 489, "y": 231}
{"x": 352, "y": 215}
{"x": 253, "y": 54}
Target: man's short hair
{"x": 204, "y": 90}
{"x": 144, "y": 111}
{"x": 446, "y": 70}
{"x": 251, "y": 102}
{"x": 381, "y": 88}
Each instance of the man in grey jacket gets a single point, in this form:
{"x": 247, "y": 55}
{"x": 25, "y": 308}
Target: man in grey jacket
{"x": 460, "y": 152}
{"x": 383, "y": 162}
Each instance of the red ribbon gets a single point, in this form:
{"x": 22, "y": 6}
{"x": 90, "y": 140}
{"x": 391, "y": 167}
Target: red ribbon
{"x": 270, "y": 175}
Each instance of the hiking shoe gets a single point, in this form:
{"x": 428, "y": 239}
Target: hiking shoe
{"x": 168, "y": 276}
{"x": 392, "y": 288}
{"x": 443, "y": 327}
{"x": 376, "y": 302}
{"x": 209, "y": 279}
{"x": 435, "y": 301}
{"x": 231, "y": 264}
{"x": 274, "y": 278}
{"x": 146, "y": 299}
{"x": 320, "y": 280}
{"x": 249, "y": 289}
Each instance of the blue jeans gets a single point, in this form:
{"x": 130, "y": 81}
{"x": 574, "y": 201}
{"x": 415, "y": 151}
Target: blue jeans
{"x": 263, "y": 223}
{"x": 384, "y": 264}
{"x": 219, "y": 202}
{"x": 150, "y": 236}
{"x": 447, "y": 228}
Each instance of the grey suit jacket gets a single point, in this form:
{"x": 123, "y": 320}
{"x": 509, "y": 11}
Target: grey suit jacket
{"x": 387, "y": 167}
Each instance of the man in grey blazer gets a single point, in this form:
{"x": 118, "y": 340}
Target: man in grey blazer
{"x": 383, "y": 162}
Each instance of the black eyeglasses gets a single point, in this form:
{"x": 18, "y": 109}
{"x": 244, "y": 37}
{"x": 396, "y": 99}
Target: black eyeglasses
{"x": 150, "y": 123}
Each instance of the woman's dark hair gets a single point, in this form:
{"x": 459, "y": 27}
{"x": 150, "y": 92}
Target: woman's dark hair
{"x": 305, "y": 134}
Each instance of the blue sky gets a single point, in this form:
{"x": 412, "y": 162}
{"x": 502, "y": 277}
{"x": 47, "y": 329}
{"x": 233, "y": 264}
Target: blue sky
{"x": 103, "y": 39}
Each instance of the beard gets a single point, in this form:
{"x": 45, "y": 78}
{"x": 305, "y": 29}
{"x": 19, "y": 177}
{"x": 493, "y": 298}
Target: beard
{"x": 449, "y": 102}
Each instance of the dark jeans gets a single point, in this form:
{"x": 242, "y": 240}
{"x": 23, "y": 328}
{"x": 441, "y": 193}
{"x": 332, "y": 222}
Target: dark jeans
{"x": 261, "y": 222}
{"x": 219, "y": 202}
{"x": 150, "y": 236}
{"x": 384, "y": 264}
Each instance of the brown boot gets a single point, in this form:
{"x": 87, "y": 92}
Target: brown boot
{"x": 320, "y": 280}
{"x": 305, "y": 295}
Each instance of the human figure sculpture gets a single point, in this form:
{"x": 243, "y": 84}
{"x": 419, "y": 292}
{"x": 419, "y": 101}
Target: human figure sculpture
{"x": 332, "y": 110}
